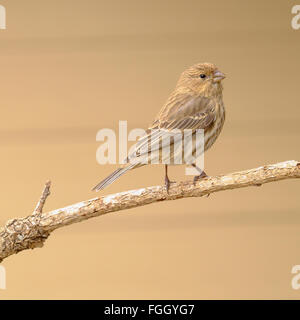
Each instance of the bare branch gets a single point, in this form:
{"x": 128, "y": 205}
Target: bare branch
{"x": 32, "y": 231}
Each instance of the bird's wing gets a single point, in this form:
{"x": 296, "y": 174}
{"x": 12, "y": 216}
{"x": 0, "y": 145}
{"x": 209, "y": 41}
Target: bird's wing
{"x": 180, "y": 112}
{"x": 183, "y": 106}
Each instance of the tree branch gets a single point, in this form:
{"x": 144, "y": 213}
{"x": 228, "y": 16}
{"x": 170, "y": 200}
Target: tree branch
{"x": 31, "y": 232}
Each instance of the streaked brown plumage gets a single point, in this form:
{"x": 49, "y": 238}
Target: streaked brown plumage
{"x": 195, "y": 103}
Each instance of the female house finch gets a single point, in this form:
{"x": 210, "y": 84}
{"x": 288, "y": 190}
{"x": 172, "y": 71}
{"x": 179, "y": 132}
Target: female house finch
{"x": 196, "y": 103}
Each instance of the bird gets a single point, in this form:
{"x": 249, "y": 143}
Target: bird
{"x": 195, "y": 103}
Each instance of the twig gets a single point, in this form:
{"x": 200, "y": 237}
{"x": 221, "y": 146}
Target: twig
{"x": 32, "y": 231}
{"x": 40, "y": 205}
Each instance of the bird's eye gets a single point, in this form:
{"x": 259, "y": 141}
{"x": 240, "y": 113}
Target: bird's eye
{"x": 202, "y": 76}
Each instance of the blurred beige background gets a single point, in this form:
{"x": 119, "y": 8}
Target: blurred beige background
{"x": 69, "y": 68}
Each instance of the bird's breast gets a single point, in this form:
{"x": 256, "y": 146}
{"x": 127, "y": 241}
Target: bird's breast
{"x": 213, "y": 131}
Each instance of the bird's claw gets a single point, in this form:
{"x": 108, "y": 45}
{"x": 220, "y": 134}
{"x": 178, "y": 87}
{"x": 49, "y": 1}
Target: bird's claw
{"x": 168, "y": 183}
{"x": 201, "y": 176}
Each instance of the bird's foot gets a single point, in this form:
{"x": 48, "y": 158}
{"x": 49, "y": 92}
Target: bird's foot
{"x": 168, "y": 183}
{"x": 201, "y": 176}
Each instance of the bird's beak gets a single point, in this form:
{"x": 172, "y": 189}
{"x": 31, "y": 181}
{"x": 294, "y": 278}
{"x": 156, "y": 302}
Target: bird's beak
{"x": 218, "y": 76}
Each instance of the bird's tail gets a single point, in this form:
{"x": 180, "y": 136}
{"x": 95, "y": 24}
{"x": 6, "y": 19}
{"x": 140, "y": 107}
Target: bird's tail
{"x": 113, "y": 176}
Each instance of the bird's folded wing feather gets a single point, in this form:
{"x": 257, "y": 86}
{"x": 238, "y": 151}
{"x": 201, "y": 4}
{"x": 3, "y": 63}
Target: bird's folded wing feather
{"x": 184, "y": 112}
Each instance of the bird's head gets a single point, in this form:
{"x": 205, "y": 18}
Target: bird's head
{"x": 202, "y": 78}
